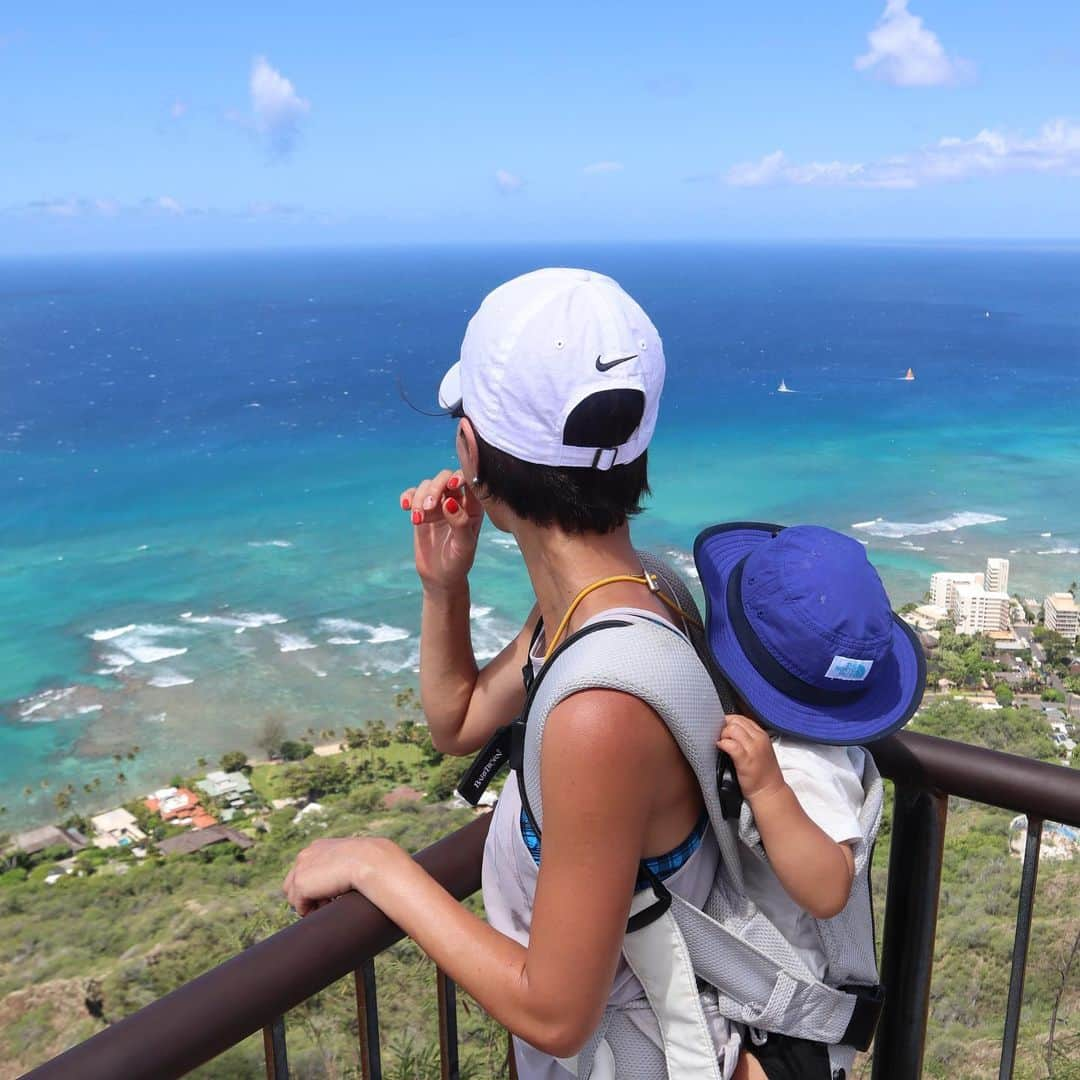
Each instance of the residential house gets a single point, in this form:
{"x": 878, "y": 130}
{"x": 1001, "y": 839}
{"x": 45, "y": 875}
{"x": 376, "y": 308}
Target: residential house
{"x": 116, "y": 828}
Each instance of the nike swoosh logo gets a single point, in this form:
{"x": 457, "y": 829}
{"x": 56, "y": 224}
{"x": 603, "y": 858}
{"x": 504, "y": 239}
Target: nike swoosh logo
{"x": 601, "y": 366}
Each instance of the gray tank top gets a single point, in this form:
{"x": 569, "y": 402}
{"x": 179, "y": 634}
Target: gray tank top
{"x": 509, "y": 887}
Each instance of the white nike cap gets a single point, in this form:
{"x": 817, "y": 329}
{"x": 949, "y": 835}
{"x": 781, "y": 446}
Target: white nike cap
{"x": 538, "y": 347}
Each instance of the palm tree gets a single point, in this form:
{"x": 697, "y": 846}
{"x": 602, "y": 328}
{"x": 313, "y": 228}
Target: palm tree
{"x": 121, "y": 778}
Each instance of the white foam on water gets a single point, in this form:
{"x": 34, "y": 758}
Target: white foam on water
{"x": 490, "y": 634}
{"x": 910, "y": 546}
{"x": 270, "y": 543}
{"x": 384, "y": 633}
{"x": 503, "y": 541}
{"x": 157, "y": 718}
{"x": 108, "y": 635}
{"x": 684, "y": 562}
{"x": 344, "y": 631}
{"x": 115, "y": 662}
{"x": 241, "y": 621}
{"x": 84, "y": 710}
{"x": 1060, "y": 550}
{"x": 44, "y": 700}
{"x": 165, "y": 679}
{"x": 897, "y": 530}
{"x": 294, "y": 643}
{"x": 477, "y": 611}
{"x": 342, "y": 626}
{"x": 1046, "y": 536}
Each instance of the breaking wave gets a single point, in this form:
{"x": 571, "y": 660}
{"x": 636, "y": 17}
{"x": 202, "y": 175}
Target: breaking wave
{"x": 897, "y": 530}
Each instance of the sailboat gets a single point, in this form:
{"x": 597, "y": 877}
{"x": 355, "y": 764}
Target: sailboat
{"x": 783, "y": 388}
{"x": 910, "y": 376}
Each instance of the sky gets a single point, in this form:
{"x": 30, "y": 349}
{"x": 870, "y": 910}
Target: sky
{"x": 241, "y": 125}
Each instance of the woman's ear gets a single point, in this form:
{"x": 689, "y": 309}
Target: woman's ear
{"x": 468, "y": 455}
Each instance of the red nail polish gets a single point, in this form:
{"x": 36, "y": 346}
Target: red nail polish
{"x": 417, "y": 517}
{"x": 451, "y": 506}
{"x": 405, "y": 504}
{"x": 453, "y": 482}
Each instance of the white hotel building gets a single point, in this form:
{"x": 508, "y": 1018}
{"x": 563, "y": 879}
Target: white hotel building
{"x": 978, "y": 611}
{"x": 1061, "y": 614}
{"x": 977, "y": 603}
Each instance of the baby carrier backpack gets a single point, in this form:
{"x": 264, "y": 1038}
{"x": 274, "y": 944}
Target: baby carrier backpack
{"x": 727, "y": 959}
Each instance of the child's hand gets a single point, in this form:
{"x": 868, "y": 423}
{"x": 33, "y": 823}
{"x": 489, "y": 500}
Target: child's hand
{"x": 751, "y": 752}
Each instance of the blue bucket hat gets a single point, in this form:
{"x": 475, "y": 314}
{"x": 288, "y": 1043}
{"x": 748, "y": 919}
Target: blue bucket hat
{"x": 798, "y": 622}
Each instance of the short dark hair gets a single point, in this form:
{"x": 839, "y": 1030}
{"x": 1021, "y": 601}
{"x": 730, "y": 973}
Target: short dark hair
{"x": 576, "y": 499}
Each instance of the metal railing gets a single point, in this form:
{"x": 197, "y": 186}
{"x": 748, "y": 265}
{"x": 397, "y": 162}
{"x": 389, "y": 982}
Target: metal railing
{"x": 256, "y": 989}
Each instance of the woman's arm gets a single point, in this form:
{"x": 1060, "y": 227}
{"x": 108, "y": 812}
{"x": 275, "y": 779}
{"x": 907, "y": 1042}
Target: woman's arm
{"x": 815, "y": 870}
{"x": 463, "y": 704}
{"x": 553, "y": 992}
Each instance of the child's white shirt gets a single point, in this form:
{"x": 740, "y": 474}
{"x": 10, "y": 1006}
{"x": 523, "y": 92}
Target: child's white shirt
{"x": 827, "y": 781}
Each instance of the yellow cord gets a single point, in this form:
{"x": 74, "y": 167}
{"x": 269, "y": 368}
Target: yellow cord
{"x": 645, "y": 580}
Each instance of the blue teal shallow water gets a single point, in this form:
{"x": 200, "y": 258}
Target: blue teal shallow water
{"x": 200, "y": 458}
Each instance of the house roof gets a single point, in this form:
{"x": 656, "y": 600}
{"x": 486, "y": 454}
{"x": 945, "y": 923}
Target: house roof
{"x": 188, "y": 842}
{"x": 113, "y": 820}
{"x": 35, "y": 840}
{"x": 222, "y": 783}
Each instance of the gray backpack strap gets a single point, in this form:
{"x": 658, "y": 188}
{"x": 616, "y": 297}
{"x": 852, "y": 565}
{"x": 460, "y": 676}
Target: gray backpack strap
{"x": 654, "y": 663}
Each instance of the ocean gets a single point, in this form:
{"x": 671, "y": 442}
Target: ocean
{"x": 200, "y": 459}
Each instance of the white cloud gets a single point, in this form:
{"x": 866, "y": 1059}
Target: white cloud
{"x": 276, "y": 107}
{"x": 602, "y": 167}
{"x": 156, "y": 207}
{"x": 905, "y": 53}
{"x": 508, "y": 182}
{"x": 1054, "y": 149}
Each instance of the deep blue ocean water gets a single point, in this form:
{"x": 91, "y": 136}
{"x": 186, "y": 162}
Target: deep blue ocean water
{"x": 200, "y": 459}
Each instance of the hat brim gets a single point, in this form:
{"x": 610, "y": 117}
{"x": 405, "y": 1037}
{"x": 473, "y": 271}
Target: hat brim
{"x": 450, "y": 397}
{"x": 888, "y": 703}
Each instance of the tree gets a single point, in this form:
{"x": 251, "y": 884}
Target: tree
{"x": 271, "y": 735}
{"x": 444, "y": 782}
{"x": 356, "y": 738}
{"x": 63, "y": 801}
{"x": 1003, "y": 694}
{"x": 291, "y": 750}
{"x": 233, "y": 760}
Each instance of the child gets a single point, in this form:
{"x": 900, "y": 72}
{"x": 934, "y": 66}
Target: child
{"x": 801, "y": 627}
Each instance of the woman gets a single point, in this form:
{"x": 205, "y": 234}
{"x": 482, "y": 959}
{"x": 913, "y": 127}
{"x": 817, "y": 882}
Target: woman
{"x": 557, "y": 392}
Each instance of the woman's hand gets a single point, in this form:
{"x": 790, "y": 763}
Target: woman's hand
{"x": 446, "y": 516}
{"x": 327, "y": 868}
{"x": 751, "y": 752}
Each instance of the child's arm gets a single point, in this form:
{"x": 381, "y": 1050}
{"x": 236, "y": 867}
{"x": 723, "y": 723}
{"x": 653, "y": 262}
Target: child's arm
{"x": 814, "y": 869}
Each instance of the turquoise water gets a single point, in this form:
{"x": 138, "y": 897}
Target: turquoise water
{"x": 200, "y": 460}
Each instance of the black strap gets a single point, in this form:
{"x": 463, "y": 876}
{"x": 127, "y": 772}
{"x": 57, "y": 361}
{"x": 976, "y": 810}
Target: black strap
{"x": 502, "y": 749}
{"x": 653, "y": 911}
{"x": 869, "y": 1001}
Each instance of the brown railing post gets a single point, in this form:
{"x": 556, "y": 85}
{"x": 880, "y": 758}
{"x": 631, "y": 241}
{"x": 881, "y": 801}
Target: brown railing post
{"x": 1028, "y": 877}
{"x": 510, "y": 1060}
{"x": 367, "y": 1015}
{"x": 918, "y": 836}
{"x": 449, "y": 1068}
{"x": 277, "y": 1058}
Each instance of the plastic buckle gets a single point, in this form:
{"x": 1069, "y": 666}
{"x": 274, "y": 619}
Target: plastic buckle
{"x": 727, "y": 787}
{"x": 869, "y": 1001}
{"x": 604, "y": 458}
{"x": 650, "y": 580}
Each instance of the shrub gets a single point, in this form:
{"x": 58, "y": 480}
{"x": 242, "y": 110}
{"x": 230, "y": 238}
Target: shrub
{"x": 291, "y": 750}
{"x": 234, "y": 761}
